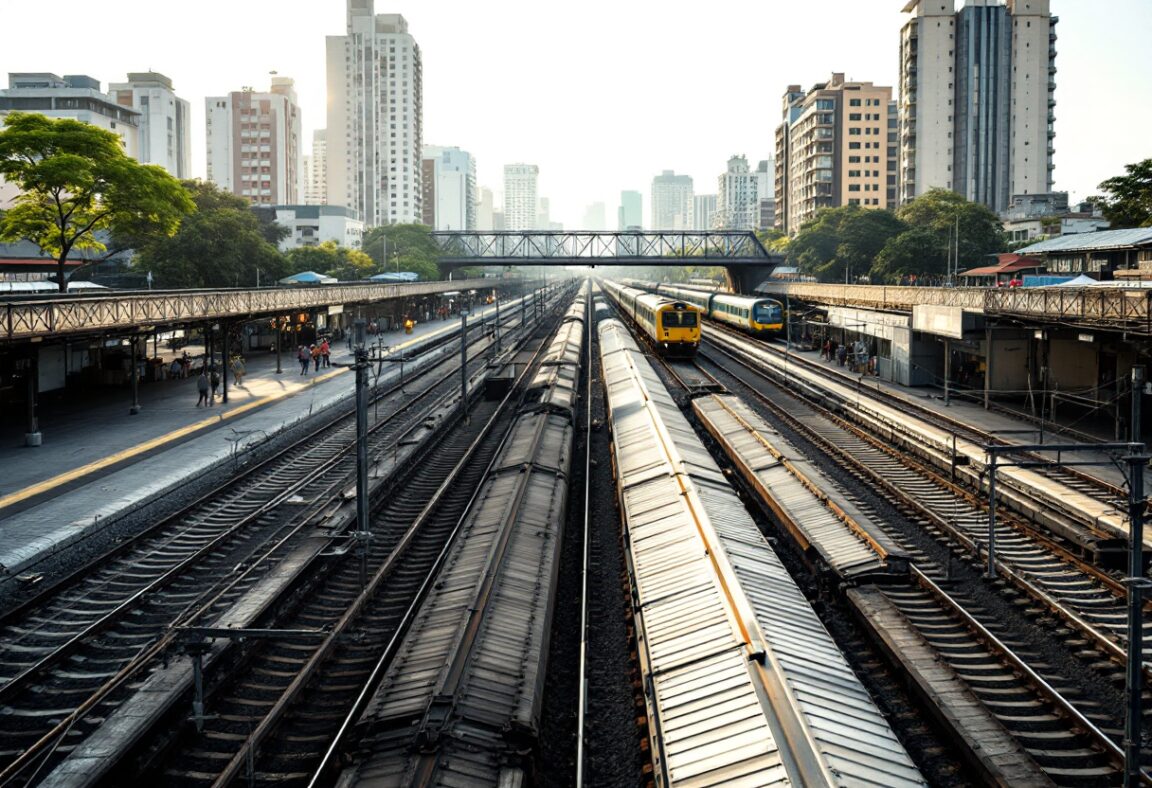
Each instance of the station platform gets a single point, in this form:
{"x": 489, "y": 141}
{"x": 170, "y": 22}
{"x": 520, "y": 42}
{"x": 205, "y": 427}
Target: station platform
{"x": 99, "y": 463}
{"x": 1006, "y": 427}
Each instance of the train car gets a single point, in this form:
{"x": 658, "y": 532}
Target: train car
{"x": 671, "y": 326}
{"x": 756, "y": 315}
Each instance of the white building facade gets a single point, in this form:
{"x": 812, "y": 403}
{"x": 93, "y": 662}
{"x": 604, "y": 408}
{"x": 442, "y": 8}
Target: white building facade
{"x": 737, "y": 204}
{"x": 453, "y": 188}
{"x": 703, "y": 209}
{"x": 75, "y": 96}
{"x": 312, "y": 225}
{"x": 316, "y": 170}
{"x": 375, "y": 117}
{"x": 520, "y": 196}
{"x": 672, "y": 201}
{"x": 254, "y": 144}
{"x": 165, "y": 120}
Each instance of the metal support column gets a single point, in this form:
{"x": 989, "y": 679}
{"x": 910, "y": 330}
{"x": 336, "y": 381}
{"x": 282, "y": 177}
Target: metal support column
{"x": 135, "y": 374}
{"x": 947, "y": 369}
{"x": 32, "y": 435}
{"x": 279, "y": 342}
{"x": 226, "y": 359}
{"x": 363, "y": 527}
{"x": 991, "y": 573}
{"x": 1136, "y": 582}
{"x": 987, "y": 366}
{"x": 1137, "y": 393}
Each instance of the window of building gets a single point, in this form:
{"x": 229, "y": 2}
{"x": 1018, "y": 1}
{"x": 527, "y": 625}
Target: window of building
{"x": 854, "y": 102}
{"x": 853, "y": 187}
{"x": 854, "y": 116}
{"x": 853, "y": 146}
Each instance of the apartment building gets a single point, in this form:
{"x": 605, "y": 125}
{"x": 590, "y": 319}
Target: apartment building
{"x": 254, "y": 143}
{"x": 672, "y": 201}
{"x": 375, "y": 117}
{"x": 836, "y": 146}
{"x": 977, "y": 103}
{"x": 165, "y": 120}
{"x": 737, "y": 204}
{"x": 520, "y": 196}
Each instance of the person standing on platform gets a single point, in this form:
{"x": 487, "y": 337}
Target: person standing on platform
{"x": 315, "y": 358}
{"x": 238, "y": 370}
{"x": 202, "y": 387}
{"x": 325, "y": 350}
{"x": 214, "y": 379}
{"x": 303, "y": 357}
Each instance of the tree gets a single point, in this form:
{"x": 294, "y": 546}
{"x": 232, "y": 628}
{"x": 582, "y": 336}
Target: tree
{"x": 76, "y": 180}
{"x": 403, "y": 247}
{"x": 914, "y": 251}
{"x": 331, "y": 259}
{"x": 840, "y": 243}
{"x": 1128, "y": 202}
{"x": 221, "y": 245}
{"x": 944, "y": 212}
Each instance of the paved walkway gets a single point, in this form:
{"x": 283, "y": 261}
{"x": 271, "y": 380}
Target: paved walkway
{"x": 99, "y": 462}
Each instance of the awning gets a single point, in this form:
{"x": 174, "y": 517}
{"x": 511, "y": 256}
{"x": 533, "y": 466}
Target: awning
{"x": 1003, "y": 268}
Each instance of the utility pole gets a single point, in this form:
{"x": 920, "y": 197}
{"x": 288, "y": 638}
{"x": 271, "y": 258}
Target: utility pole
{"x": 132, "y": 411}
{"x": 279, "y": 332}
{"x": 363, "y": 527}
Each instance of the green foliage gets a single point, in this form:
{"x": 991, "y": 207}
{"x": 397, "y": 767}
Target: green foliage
{"x": 840, "y": 243}
{"x": 223, "y": 244}
{"x": 914, "y": 251}
{"x": 403, "y": 247}
{"x": 333, "y": 260}
{"x": 76, "y": 180}
{"x": 943, "y": 212}
{"x": 1128, "y": 202}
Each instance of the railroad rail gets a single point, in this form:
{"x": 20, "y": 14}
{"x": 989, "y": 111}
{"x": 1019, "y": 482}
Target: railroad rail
{"x": 714, "y": 607}
{"x": 1087, "y": 523}
{"x": 1014, "y": 725}
{"x": 461, "y": 698}
{"x": 138, "y": 645}
{"x": 1088, "y": 599}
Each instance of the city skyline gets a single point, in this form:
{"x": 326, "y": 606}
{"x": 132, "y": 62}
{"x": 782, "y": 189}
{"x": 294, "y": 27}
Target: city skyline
{"x": 570, "y": 124}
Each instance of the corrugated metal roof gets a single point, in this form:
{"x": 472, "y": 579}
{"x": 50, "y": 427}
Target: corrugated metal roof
{"x": 1083, "y": 242}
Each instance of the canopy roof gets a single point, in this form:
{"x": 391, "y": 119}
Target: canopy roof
{"x": 308, "y": 278}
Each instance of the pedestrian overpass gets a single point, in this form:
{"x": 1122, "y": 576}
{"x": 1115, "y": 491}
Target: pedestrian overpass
{"x": 740, "y": 253}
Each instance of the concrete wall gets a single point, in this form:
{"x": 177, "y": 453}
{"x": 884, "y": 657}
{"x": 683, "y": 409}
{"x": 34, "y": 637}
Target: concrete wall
{"x": 1009, "y": 363}
{"x": 1072, "y": 364}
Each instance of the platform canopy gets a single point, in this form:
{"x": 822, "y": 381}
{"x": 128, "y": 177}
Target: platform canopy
{"x": 308, "y": 278}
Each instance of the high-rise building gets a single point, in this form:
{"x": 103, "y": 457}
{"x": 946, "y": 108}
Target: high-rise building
{"x": 835, "y": 147}
{"x": 375, "y": 117}
{"x": 671, "y": 201}
{"x": 630, "y": 215}
{"x": 254, "y": 144}
{"x": 520, "y": 199}
{"x": 485, "y": 210}
{"x": 165, "y": 120}
{"x": 595, "y": 218}
{"x": 737, "y": 206}
{"x": 976, "y": 99}
{"x": 703, "y": 210}
{"x": 452, "y": 173}
{"x": 766, "y": 194}
{"x": 75, "y": 96}
{"x": 316, "y": 170}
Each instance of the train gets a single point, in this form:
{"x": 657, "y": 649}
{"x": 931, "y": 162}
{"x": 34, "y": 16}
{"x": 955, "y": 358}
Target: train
{"x": 755, "y": 315}
{"x": 670, "y": 325}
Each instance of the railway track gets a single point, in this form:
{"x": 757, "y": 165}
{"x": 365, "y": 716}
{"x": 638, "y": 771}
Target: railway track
{"x": 295, "y": 694}
{"x": 76, "y": 646}
{"x": 1087, "y": 598}
{"x": 1089, "y": 523}
{"x": 1071, "y": 748}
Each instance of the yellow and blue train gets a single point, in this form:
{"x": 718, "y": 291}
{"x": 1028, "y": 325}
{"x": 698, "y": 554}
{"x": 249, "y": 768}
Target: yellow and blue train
{"x": 755, "y": 314}
{"x": 671, "y": 326}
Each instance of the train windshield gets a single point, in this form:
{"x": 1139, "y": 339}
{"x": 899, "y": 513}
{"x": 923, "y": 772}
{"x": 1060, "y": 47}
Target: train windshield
{"x": 767, "y": 312}
{"x": 683, "y": 319}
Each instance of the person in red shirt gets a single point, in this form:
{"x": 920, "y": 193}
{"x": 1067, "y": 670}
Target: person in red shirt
{"x": 324, "y": 351}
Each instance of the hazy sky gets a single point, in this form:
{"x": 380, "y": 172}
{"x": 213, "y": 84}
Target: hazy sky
{"x": 601, "y": 95}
